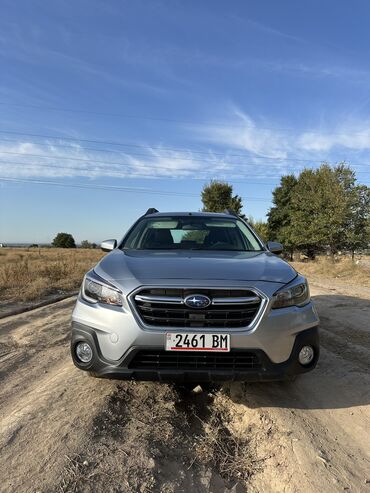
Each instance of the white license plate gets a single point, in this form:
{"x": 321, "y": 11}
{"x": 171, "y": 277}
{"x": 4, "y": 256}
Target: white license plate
{"x": 197, "y": 342}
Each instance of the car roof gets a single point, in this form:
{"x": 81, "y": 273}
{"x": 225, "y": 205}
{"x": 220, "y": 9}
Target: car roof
{"x": 194, "y": 214}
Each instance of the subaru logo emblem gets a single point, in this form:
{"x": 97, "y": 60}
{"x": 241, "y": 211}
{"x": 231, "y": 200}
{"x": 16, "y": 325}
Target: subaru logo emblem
{"x": 197, "y": 301}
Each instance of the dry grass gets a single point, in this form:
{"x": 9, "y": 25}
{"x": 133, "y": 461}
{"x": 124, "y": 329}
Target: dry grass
{"x": 229, "y": 452}
{"x": 190, "y": 445}
{"x": 28, "y": 274}
{"x": 340, "y": 269}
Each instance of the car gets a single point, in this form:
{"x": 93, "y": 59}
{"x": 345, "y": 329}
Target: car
{"x": 194, "y": 297}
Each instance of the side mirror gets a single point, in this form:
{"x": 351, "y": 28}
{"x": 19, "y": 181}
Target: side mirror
{"x": 275, "y": 247}
{"x": 108, "y": 245}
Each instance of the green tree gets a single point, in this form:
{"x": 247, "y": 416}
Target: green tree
{"x": 320, "y": 208}
{"x": 357, "y": 230}
{"x": 86, "y": 244}
{"x": 279, "y": 217}
{"x": 218, "y": 196}
{"x": 64, "y": 240}
{"x": 260, "y": 227}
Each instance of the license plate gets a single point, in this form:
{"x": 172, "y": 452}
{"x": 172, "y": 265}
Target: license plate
{"x": 197, "y": 342}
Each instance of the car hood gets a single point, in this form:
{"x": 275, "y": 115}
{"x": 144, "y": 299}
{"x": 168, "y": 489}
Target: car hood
{"x": 142, "y": 267}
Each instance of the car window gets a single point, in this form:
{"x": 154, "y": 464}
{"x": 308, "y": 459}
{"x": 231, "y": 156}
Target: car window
{"x": 194, "y": 233}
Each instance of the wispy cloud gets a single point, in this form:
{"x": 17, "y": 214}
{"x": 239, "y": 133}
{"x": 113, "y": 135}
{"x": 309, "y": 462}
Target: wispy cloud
{"x": 30, "y": 49}
{"x": 46, "y": 159}
{"x": 237, "y": 148}
{"x": 245, "y": 134}
{"x": 345, "y": 73}
{"x": 353, "y": 136}
{"x": 287, "y": 149}
{"x": 265, "y": 29}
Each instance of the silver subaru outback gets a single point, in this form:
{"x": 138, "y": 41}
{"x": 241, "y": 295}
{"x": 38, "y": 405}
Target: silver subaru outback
{"x": 194, "y": 297}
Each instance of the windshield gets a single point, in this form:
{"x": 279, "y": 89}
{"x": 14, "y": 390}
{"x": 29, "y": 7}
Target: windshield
{"x": 191, "y": 233}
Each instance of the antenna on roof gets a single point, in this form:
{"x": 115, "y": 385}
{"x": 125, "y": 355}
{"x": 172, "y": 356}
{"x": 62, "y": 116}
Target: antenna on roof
{"x": 230, "y": 212}
{"x": 151, "y": 210}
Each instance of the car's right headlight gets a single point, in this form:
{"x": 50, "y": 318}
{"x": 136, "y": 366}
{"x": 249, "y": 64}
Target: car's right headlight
{"x": 95, "y": 290}
{"x": 296, "y": 295}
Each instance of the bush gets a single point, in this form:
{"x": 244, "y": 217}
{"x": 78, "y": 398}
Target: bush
{"x": 64, "y": 240}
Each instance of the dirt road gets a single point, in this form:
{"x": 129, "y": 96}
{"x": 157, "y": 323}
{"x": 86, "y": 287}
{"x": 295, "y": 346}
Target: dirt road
{"x": 63, "y": 431}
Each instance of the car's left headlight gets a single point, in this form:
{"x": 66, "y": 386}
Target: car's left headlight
{"x": 296, "y": 295}
{"x": 95, "y": 290}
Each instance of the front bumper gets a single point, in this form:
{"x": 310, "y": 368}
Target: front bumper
{"x": 121, "y": 368}
{"x": 118, "y": 330}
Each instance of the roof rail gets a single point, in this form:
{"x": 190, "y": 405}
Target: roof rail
{"x": 151, "y": 210}
{"x": 231, "y": 212}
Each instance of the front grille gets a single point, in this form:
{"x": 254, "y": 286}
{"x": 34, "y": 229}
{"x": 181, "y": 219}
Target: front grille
{"x": 229, "y": 308}
{"x": 172, "y": 360}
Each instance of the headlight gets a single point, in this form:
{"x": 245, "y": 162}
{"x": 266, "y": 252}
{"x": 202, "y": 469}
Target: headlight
{"x": 297, "y": 295}
{"x": 95, "y": 291}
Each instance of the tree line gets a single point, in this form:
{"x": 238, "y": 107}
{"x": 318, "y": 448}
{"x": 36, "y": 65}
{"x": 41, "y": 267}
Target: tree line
{"x": 323, "y": 209}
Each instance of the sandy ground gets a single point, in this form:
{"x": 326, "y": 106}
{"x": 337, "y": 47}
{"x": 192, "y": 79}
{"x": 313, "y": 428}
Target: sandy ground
{"x": 63, "y": 431}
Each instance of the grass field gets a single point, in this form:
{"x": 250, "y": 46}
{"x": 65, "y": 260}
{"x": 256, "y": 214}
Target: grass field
{"x": 28, "y": 274}
{"x": 32, "y": 274}
{"x": 342, "y": 269}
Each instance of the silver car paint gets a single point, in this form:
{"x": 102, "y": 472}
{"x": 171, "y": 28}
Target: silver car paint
{"x": 130, "y": 267}
{"x": 118, "y": 330}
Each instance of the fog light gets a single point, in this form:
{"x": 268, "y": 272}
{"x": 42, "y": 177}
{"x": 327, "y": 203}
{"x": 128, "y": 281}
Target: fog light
{"x": 84, "y": 352}
{"x": 306, "y": 355}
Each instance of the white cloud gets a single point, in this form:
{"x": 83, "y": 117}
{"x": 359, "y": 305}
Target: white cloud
{"x": 243, "y": 133}
{"x": 28, "y": 159}
{"x": 238, "y": 148}
{"x": 276, "y": 150}
{"x": 350, "y": 137}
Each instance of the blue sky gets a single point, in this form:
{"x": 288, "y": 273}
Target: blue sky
{"x": 155, "y": 98}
